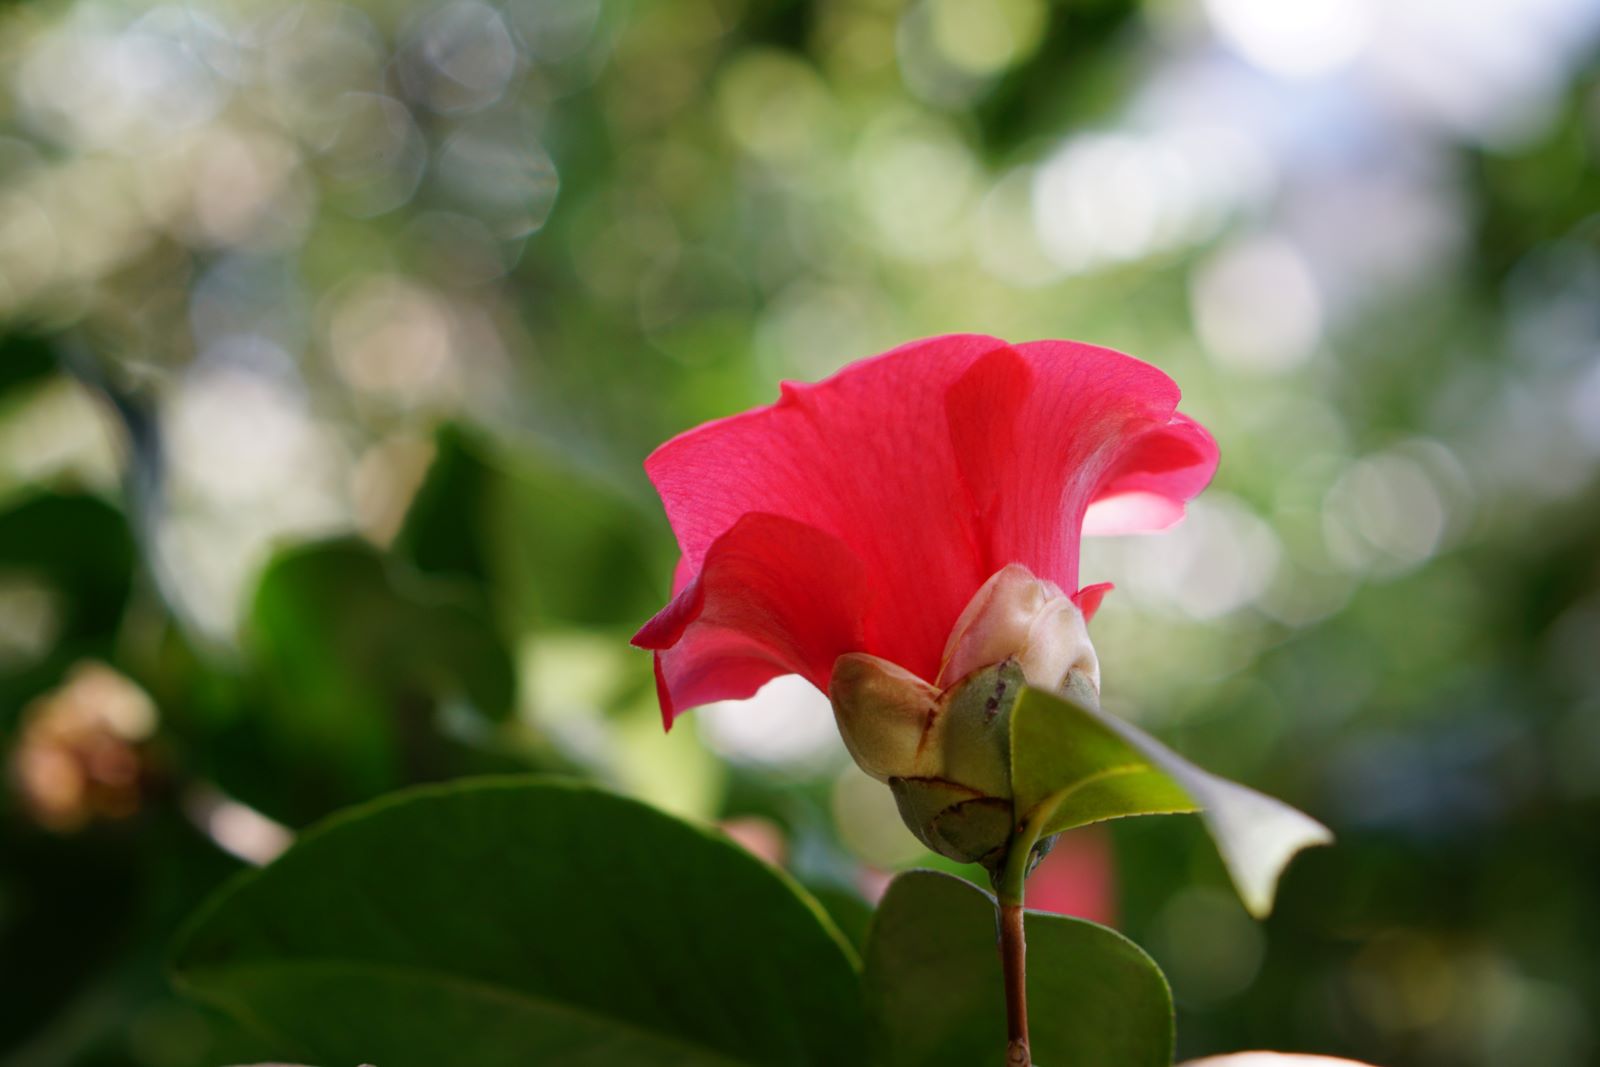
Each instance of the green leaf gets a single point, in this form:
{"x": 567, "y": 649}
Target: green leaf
{"x": 331, "y": 615}
{"x": 1072, "y": 764}
{"x": 510, "y": 921}
{"x": 81, "y": 545}
{"x": 552, "y": 543}
{"x": 935, "y": 997}
{"x": 25, "y": 358}
{"x": 849, "y": 912}
{"x": 445, "y": 525}
{"x": 363, "y": 676}
{"x": 77, "y": 554}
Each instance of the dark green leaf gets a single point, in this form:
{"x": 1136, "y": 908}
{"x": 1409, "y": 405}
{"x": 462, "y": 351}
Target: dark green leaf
{"x": 935, "y": 997}
{"x": 447, "y": 522}
{"x": 332, "y": 615}
{"x": 849, "y": 912}
{"x": 553, "y": 544}
{"x": 357, "y": 666}
{"x": 24, "y": 359}
{"x": 81, "y": 546}
{"x": 514, "y": 922}
{"x": 77, "y": 550}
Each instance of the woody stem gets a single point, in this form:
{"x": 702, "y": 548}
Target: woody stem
{"x": 1009, "y": 889}
{"x": 1013, "y": 956}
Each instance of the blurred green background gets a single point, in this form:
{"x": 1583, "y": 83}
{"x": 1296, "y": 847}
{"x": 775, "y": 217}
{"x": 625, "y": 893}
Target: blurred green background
{"x": 334, "y": 334}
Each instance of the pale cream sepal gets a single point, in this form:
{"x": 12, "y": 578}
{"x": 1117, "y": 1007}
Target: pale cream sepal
{"x": 892, "y": 721}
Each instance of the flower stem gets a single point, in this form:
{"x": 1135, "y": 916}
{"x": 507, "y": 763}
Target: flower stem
{"x": 1010, "y": 889}
{"x": 1013, "y": 963}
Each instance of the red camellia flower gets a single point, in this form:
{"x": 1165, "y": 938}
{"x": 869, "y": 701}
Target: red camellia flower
{"x": 864, "y": 514}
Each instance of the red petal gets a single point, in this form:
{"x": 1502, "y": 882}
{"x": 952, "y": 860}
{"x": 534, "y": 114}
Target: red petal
{"x": 862, "y": 513}
{"x": 773, "y": 596}
{"x": 1089, "y": 597}
{"x": 1043, "y": 430}
{"x": 1156, "y": 474}
{"x": 862, "y": 456}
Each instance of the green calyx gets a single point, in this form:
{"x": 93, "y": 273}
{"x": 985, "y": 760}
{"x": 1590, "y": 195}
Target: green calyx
{"x": 945, "y": 755}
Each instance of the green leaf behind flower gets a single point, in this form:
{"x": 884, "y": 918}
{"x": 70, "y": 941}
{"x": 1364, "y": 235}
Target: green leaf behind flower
{"x": 364, "y": 676}
{"x": 935, "y": 997}
{"x": 514, "y": 921}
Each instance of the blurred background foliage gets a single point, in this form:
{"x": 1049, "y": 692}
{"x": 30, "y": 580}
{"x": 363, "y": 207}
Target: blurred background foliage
{"x": 334, "y": 332}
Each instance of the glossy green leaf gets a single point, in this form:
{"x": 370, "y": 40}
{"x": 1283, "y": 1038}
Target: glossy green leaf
{"x": 516, "y": 921}
{"x": 1073, "y": 764}
{"x": 935, "y": 996}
